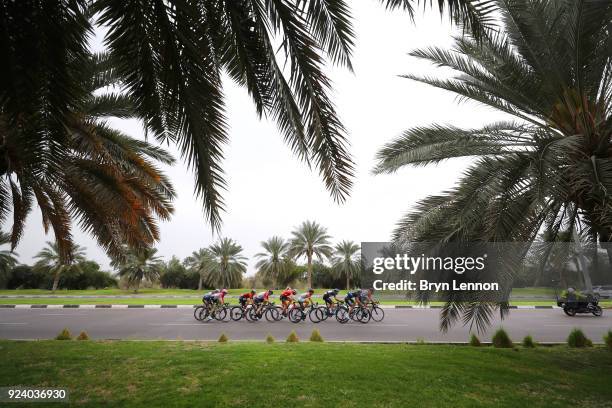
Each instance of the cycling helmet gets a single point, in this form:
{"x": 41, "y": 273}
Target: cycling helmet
{"x": 336, "y": 291}
{"x": 371, "y": 290}
{"x": 311, "y": 290}
{"x": 253, "y": 291}
{"x": 224, "y": 290}
{"x": 270, "y": 292}
{"x": 216, "y": 291}
{"x": 294, "y": 292}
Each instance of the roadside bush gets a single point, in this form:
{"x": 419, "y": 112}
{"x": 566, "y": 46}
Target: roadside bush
{"x": 64, "y": 335}
{"x": 577, "y": 339}
{"x": 501, "y": 339}
{"x": 270, "y": 339}
{"x": 83, "y": 336}
{"x": 474, "y": 341}
{"x": 607, "y": 338}
{"x": 223, "y": 338}
{"x": 293, "y": 337}
{"x": 528, "y": 342}
{"x": 420, "y": 341}
{"x": 316, "y": 336}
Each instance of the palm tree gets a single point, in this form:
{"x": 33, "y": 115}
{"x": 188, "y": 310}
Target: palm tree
{"x": 548, "y": 169}
{"x": 203, "y": 262}
{"x": 50, "y": 258}
{"x": 310, "y": 239}
{"x": 230, "y": 265}
{"x": 84, "y": 171}
{"x": 274, "y": 263}
{"x": 169, "y": 58}
{"x": 346, "y": 261}
{"x": 139, "y": 264}
{"x": 7, "y": 258}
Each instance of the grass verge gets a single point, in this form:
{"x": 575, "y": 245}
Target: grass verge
{"x": 141, "y": 374}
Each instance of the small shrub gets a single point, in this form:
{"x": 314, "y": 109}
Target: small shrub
{"x": 316, "y": 336}
{"x": 293, "y": 337}
{"x": 83, "y": 336}
{"x": 607, "y": 338}
{"x": 420, "y": 341}
{"x": 577, "y": 339}
{"x": 270, "y": 339}
{"x": 223, "y": 338}
{"x": 528, "y": 342}
{"x": 501, "y": 339}
{"x": 474, "y": 341}
{"x": 64, "y": 335}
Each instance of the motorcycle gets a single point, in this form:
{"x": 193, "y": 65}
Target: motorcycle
{"x": 572, "y": 306}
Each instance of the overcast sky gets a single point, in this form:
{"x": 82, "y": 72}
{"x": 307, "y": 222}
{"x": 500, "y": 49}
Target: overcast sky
{"x": 270, "y": 191}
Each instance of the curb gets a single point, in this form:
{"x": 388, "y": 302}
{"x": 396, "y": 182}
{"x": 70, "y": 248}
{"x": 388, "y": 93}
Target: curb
{"x": 71, "y": 306}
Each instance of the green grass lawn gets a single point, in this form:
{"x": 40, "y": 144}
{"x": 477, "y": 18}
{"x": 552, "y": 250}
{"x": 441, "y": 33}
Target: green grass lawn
{"x": 192, "y": 301}
{"x": 539, "y": 292}
{"x": 186, "y": 374}
{"x": 524, "y": 296}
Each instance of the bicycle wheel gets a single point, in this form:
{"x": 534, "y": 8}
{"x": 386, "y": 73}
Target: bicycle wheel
{"x": 323, "y": 313}
{"x": 236, "y": 313}
{"x": 196, "y": 312}
{"x": 295, "y": 315}
{"x": 271, "y": 314}
{"x": 363, "y": 315}
{"x": 342, "y": 314}
{"x": 220, "y": 314}
{"x": 253, "y": 316}
{"x": 278, "y": 314}
{"x": 378, "y": 314}
{"x": 314, "y": 315}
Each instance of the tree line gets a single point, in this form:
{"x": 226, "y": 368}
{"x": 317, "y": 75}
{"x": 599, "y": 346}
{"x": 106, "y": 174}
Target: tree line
{"x": 222, "y": 264}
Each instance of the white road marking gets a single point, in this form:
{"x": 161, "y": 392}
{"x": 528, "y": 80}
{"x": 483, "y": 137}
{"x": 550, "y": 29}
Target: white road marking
{"x": 12, "y": 323}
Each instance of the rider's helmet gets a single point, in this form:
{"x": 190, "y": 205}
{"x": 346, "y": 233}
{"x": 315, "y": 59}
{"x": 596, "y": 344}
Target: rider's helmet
{"x": 294, "y": 291}
{"x": 215, "y": 291}
{"x": 336, "y": 291}
{"x": 224, "y": 290}
{"x": 253, "y": 291}
{"x": 270, "y": 292}
{"x": 371, "y": 290}
{"x": 310, "y": 290}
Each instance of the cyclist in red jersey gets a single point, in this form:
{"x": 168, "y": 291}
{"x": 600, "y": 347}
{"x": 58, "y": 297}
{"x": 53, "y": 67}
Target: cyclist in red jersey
{"x": 286, "y": 297}
{"x": 246, "y": 298}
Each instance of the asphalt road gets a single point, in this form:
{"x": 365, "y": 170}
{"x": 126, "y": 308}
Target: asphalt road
{"x": 399, "y": 325}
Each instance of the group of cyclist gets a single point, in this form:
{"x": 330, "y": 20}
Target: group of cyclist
{"x": 289, "y": 296}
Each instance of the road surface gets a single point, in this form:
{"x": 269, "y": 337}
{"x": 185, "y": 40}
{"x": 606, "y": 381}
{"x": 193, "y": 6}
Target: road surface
{"x": 399, "y": 325}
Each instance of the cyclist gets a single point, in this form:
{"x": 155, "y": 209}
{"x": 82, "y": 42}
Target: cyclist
{"x": 286, "y": 297}
{"x": 365, "y": 296}
{"x": 219, "y": 297}
{"x": 351, "y": 297}
{"x": 327, "y": 297}
{"x": 208, "y": 297}
{"x": 246, "y": 298}
{"x": 304, "y": 298}
{"x": 262, "y": 298}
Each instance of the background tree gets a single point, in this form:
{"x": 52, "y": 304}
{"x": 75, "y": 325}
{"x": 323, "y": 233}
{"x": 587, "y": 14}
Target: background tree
{"x": 50, "y": 258}
{"x": 139, "y": 264}
{"x": 549, "y": 168}
{"x": 203, "y": 262}
{"x": 67, "y": 158}
{"x": 230, "y": 265}
{"x": 310, "y": 240}
{"x": 8, "y": 260}
{"x": 274, "y": 263}
{"x": 346, "y": 261}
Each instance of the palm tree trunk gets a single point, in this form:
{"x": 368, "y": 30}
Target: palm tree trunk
{"x": 309, "y": 270}
{"x": 347, "y": 282}
{"x": 200, "y": 283}
{"x": 56, "y": 280}
{"x": 137, "y": 286}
